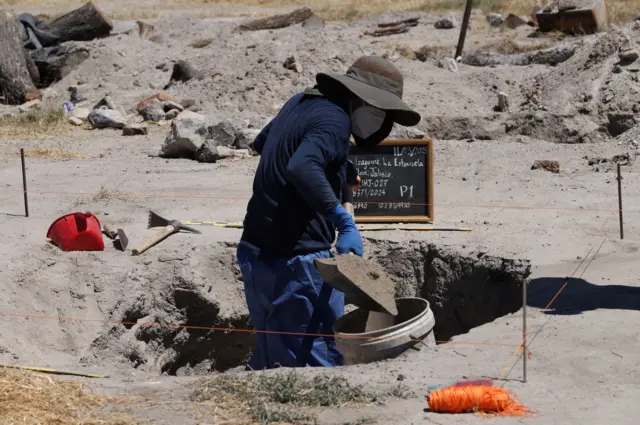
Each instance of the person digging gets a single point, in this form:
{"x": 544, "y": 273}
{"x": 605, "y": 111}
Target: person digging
{"x": 294, "y": 210}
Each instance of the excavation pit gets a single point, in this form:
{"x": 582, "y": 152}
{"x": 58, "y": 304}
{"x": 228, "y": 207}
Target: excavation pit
{"x": 203, "y": 296}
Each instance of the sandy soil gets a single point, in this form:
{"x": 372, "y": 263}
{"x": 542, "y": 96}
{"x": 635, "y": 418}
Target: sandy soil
{"x": 60, "y": 309}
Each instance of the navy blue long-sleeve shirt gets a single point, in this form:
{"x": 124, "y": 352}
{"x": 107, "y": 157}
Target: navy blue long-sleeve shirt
{"x": 299, "y": 179}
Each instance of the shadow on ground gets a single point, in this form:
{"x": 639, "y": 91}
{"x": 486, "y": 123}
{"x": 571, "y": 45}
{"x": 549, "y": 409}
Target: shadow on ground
{"x": 580, "y": 295}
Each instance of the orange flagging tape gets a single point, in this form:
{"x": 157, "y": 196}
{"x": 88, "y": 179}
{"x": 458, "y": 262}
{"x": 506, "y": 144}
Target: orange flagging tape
{"x": 485, "y": 400}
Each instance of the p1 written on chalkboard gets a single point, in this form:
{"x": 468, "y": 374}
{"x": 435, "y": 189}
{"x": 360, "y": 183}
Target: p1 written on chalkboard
{"x": 396, "y": 182}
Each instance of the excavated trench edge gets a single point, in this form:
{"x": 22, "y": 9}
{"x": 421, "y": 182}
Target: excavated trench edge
{"x": 464, "y": 291}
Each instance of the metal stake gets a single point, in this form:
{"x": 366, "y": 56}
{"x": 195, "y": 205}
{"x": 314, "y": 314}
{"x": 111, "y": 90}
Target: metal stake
{"x": 463, "y": 28}
{"x": 24, "y": 184}
{"x": 524, "y": 332}
{"x": 620, "y": 202}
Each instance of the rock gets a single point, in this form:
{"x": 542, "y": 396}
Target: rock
{"x": 172, "y": 114}
{"x": 208, "y": 152}
{"x": 241, "y": 153}
{"x": 32, "y": 104}
{"x": 170, "y": 105}
{"x": 108, "y": 102}
{"x": 81, "y": 113}
{"x": 107, "y": 118}
{"x": 445, "y": 24}
{"x": 313, "y": 22}
{"x": 503, "y": 102}
{"x": 512, "y": 21}
{"x": 245, "y": 138}
{"x": 551, "y": 166}
{"x": 495, "y": 19}
{"x": 188, "y": 133}
{"x": 187, "y": 103}
{"x": 183, "y": 72}
{"x": 150, "y": 113}
{"x": 75, "y": 95}
{"x": 201, "y": 43}
{"x": 620, "y": 122}
{"x": 293, "y": 63}
{"x": 223, "y": 133}
{"x": 634, "y": 67}
{"x": 192, "y": 115}
{"x": 449, "y": 64}
{"x": 225, "y": 152}
{"x": 160, "y": 97}
{"x": 152, "y": 110}
{"x": 628, "y": 55}
{"x": 135, "y": 130}
{"x": 75, "y": 121}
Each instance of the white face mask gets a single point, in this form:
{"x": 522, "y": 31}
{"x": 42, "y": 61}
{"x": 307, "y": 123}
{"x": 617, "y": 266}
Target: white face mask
{"x": 366, "y": 120}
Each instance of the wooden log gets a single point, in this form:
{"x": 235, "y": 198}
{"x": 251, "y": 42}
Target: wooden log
{"x": 83, "y": 24}
{"x": 412, "y": 21}
{"x": 277, "y": 21}
{"x": 551, "y": 56}
{"x": 398, "y": 29}
{"x": 16, "y": 84}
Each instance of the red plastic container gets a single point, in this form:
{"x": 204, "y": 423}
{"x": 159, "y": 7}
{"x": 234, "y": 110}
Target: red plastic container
{"x": 77, "y": 232}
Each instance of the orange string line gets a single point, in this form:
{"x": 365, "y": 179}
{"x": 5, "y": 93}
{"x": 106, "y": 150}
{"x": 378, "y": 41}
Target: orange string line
{"x": 515, "y": 356}
{"x": 229, "y": 330}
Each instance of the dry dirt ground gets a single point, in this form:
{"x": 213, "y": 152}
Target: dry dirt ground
{"x": 63, "y": 309}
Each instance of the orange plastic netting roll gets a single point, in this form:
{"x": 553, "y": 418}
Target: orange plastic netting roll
{"x": 493, "y": 401}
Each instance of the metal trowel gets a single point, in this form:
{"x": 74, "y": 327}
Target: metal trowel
{"x": 364, "y": 282}
{"x": 120, "y": 240}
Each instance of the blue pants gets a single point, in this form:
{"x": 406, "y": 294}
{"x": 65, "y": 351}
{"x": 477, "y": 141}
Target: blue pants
{"x": 288, "y": 295}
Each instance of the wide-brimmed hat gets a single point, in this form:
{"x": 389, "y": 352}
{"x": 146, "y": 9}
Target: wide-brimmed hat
{"x": 379, "y": 83}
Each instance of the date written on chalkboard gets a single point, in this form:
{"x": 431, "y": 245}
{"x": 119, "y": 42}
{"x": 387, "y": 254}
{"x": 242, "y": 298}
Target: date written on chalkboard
{"x": 396, "y": 182}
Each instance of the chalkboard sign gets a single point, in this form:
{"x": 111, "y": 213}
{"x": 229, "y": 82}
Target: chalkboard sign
{"x": 396, "y": 182}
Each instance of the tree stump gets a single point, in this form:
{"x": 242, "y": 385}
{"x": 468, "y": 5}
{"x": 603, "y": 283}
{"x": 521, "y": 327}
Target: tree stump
{"x": 16, "y": 83}
{"x": 83, "y": 24}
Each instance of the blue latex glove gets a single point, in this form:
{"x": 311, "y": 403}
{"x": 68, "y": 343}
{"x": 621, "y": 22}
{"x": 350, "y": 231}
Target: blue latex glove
{"x": 349, "y": 239}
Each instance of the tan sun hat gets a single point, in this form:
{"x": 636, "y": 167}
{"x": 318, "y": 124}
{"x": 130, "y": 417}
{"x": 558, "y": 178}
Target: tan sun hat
{"x": 379, "y": 83}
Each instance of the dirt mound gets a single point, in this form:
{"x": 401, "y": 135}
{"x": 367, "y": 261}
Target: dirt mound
{"x": 176, "y": 319}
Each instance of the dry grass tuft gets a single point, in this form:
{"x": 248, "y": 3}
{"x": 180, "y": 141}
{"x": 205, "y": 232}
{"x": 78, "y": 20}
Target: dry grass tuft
{"x": 30, "y": 398}
{"x": 41, "y": 121}
{"x": 261, "y": 398}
